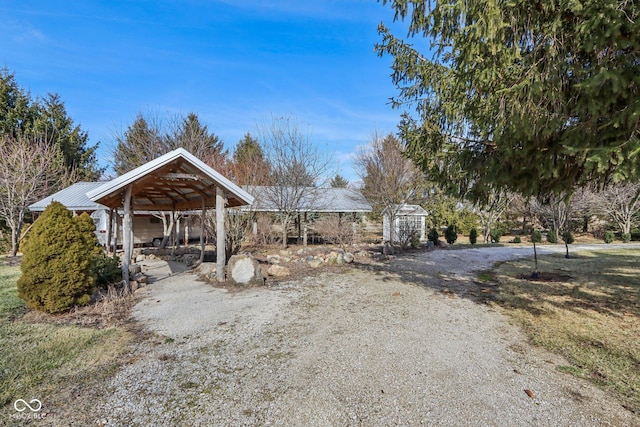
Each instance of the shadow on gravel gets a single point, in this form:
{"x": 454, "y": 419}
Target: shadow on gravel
{"x": 419, "y": 270}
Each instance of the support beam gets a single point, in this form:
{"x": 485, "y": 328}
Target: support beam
{"x": 221, "y": 256}
{"x": 109, "y": 233}
{"x": 127, "y": 236}
{"x": 203, "y": 219}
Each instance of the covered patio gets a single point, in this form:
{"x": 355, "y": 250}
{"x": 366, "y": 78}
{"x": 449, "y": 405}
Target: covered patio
{"x": 176, "y": 181}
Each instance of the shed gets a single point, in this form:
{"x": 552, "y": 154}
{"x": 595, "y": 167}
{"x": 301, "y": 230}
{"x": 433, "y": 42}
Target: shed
{"x": 406, "y": 219}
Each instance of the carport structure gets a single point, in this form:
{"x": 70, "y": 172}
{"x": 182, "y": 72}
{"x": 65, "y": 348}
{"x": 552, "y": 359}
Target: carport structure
{"x": 176, "y": 181}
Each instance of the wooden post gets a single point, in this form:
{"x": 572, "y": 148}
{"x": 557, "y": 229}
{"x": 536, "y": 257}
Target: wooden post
{"x": 221, "y": 256}
{"x": 115, "y": 233}
{"x": 203, "y": 217}
{"x": 126, "y": 236}
{"x": 109, "y": 233}
{"x": 304, "y": 237}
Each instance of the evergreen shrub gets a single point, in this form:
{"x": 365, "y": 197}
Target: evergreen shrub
{"x": 58, "y": 261}
{"x": 450, "y": 234}
{"x": 473, "y": 236}
{"x": 495, "y": 235}
{"x": 626, "y": 237}
{"x": 552, "y": 237}
{"x": 433, "y": 236}
{"x": 609, "y": 236}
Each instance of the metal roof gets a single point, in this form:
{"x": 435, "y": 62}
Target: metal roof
{"x": 175, "y": 181}
{"x": 74, "y": 198}
{"x": 408, "y": 210}
{"x": 314, "y": 199}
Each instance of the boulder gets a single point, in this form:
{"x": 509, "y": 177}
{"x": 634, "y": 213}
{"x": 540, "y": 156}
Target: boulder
{"x": 348, "y": 257}
{"x": 140, "y": 278}
{"x": 134, "y": 269}
{"x": 190, "y": 259}
{"x": 245, "y": 270}
{"x": 340, "y": 259}
{"x": 278, "y": 271}
{"x": 273, "y": 259}
{"x": 315, "y": 263}
{"x": 140, "y": 258}
{"x": 207, "y": 270}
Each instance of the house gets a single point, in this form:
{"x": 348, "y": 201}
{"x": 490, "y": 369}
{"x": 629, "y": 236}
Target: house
{"x": 406, "y": 219}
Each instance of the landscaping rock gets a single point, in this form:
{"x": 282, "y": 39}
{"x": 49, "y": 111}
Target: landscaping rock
{"x": 315, "y": 263}
{"x": 190, "y": 259}
{"x": 134, "y": 269}
{"x": 273, "y": 259}
{"x": 245, "y": 270}
{"x": 278, "y": 271}
{"x": 348, "y": 257}
{"x": 340, "y": 259}
{"x": 207, "y": 270}
{"x": 140, "y": 258}
{"x": 141, "y": 279}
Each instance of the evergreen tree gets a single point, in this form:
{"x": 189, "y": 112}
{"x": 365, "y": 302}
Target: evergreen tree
{"x": 529, "y": 96}
{"x": 140, "y": 143}
{"x": 250, "y": 166}
{"x": 339, "y": 181}
{"x": 58, "y": 261}
{"x": 46, "y": 119}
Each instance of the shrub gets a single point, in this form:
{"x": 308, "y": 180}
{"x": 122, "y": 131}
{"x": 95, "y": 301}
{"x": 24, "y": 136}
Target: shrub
{"x": 517, "y": 239}
{"x": 626, "y": 237}
{"x": 433, "y": 236}
{"x": 473, "y": 236}
{"x": 536, "y": 236}
{"x": 336, "y": 230}
{"x": 567, "y": 237}
{"x": 608, "y": 236}
{"x": 495, "y": 236}
{"x": 552, "y": 237}
{"x": 450, "y": 234}
{"x": 107, "y": 271}
{"x": 58, "y": 261}
{"x": 415, "y": 240}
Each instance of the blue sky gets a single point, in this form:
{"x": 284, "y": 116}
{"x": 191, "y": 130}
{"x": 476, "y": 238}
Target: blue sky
{"x": 233, "y": 62}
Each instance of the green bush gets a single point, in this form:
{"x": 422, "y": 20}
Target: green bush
{"x": 473, "y": 236}
{"x": 517, "y": 239}
{"x": 58, "y": 261}
{"x": 451, "y": 234}
{"x": 433, "y": 236}
{"x": 567, "y": 237}
{"x": 552, "y": 237}
{"x": 107, "y": 271}
{"x": 495, "y": 235}
{"x": 536, "y": 236}
{"x": 609, "y": 236}
{"x": 415, "y": 240}
{"x": 626, "y": 237}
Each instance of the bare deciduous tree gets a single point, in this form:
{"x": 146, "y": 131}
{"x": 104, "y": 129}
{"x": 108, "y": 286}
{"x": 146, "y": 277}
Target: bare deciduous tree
{"x": 497, "y": 202}
{"x": 296, "y": 165}
{"x": 30, "y": 169}
{"x": 389, "y": 178}
{"x": 621, "y": 202}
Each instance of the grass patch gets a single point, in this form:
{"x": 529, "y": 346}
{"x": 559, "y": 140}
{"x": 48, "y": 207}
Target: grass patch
{"x": 54, "y": 362}
{"x": 590, "y": 314}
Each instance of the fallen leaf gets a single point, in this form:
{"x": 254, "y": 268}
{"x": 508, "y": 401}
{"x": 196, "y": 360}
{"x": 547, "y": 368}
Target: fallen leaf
{"x": 529, "y": 393}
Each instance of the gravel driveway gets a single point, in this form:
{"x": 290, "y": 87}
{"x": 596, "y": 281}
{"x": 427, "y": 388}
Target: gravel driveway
{"x": 370, "y": 346}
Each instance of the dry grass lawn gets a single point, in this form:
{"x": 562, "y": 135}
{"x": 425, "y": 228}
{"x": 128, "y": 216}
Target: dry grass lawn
{"x": 50, "y": 358}
{"x": 589, "y": 312}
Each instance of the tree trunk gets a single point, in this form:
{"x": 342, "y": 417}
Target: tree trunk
{"x": 14, "y": 240}
{"x": 169, "y": 231}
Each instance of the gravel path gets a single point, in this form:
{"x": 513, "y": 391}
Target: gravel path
{"x": 371, "y": 346}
